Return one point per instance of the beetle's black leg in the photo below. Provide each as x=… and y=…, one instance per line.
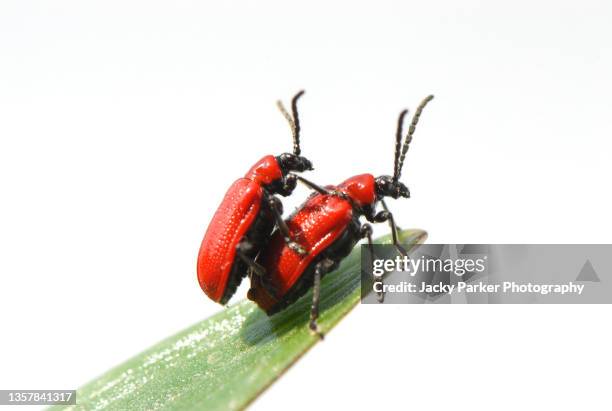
x=314, y=186
x=276, y=208
x=242, y=251
x=394, y=234
x=383, y=216
x=366, y=232
x=384, y=206
x=322, y=268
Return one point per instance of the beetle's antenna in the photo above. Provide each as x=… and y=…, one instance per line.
x=293, y=120
x=398, y=142
x=287, y=116
x=296, y=120
x=413, y=124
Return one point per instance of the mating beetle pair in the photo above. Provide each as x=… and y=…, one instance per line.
x=287, y=257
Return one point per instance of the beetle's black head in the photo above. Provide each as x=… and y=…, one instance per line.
x=387, y=186
x=289, y=162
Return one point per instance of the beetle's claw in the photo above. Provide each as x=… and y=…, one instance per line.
x=314, y=329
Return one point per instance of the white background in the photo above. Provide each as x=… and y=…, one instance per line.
x=122, y=123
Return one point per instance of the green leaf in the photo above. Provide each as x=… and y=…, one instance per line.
x=227, y=360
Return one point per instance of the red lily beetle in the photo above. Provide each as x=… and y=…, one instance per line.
x=327, y=225
x=246, y=217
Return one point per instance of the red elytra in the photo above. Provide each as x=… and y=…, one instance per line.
x=328, y=226
x=246, y=217
x=231, y=222
x=317, y=225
